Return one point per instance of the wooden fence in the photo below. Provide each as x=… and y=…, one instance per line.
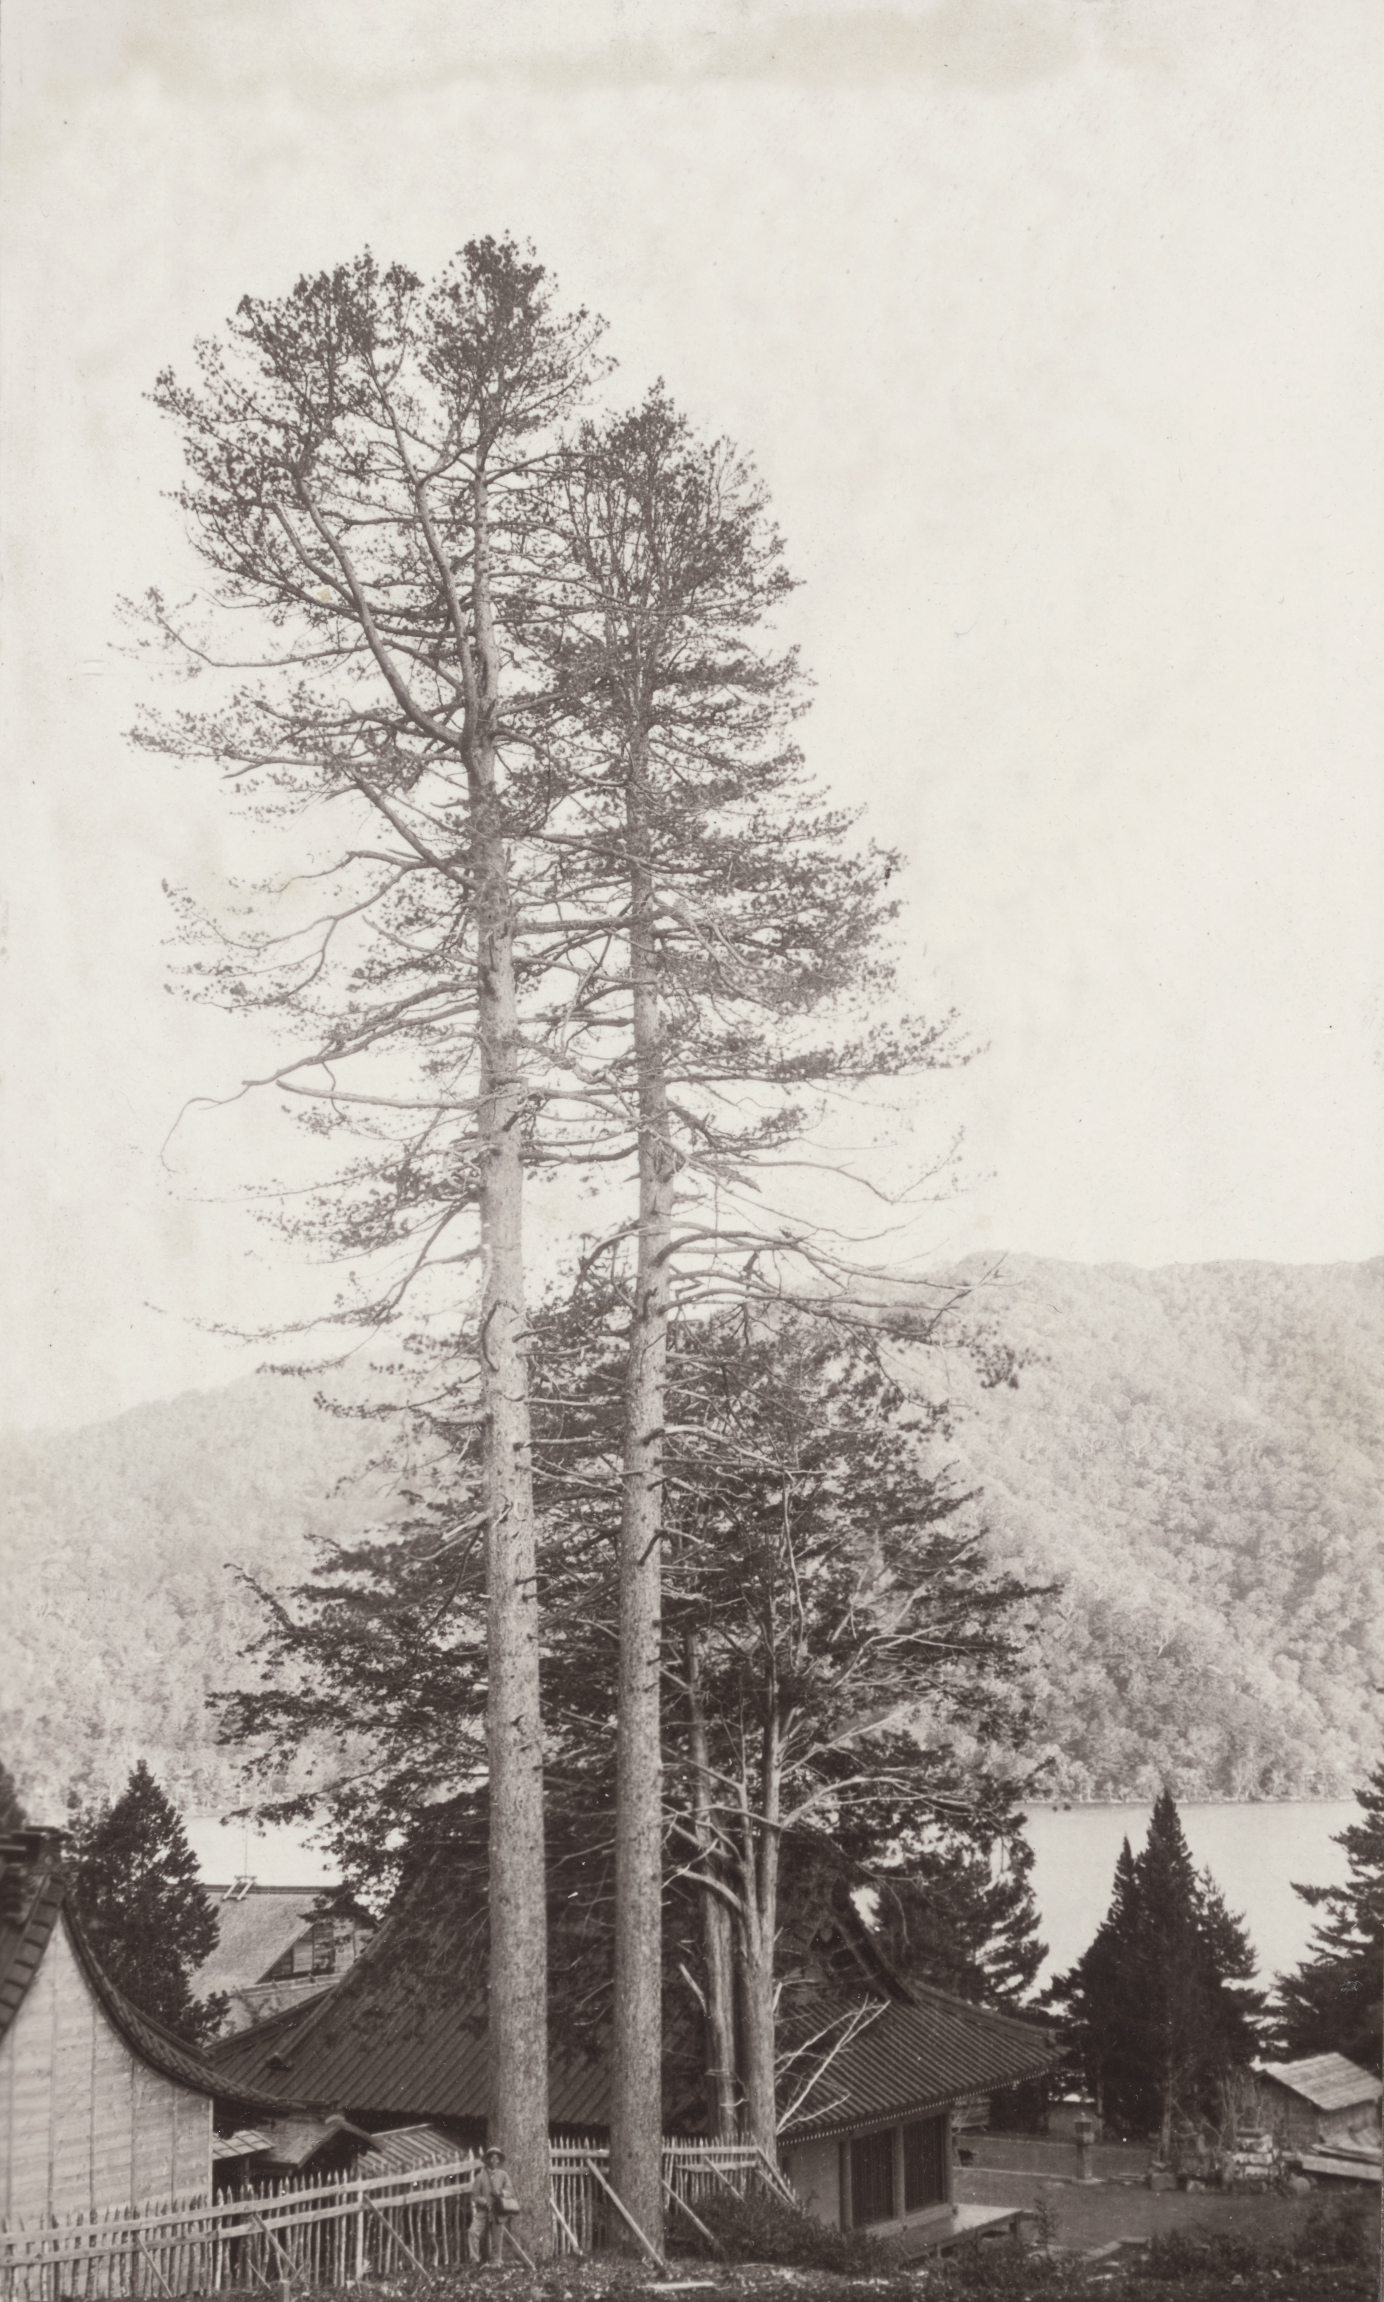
x=340, y=2231
x=306, y=2233
x=586, y=2214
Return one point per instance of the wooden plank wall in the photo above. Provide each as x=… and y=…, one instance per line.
x=84, y=2124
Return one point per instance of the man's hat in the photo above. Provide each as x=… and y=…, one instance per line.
x=492, y=2152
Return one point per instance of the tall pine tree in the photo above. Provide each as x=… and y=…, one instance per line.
x=1332, y=2002
x=1159, y=2013
x=143, y=1908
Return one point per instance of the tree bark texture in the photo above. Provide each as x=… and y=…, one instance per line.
x=718, y=1945
x=636, y=2105
x=518, y=2009
x=756, y=1931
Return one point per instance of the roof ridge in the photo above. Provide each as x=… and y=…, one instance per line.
x=300, y=2022
x=152, y=2040
x=1027, y=2018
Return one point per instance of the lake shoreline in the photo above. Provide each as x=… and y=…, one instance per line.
x=1255, y=1849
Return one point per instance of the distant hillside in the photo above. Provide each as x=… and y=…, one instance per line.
x=122, y=1606
x=1196, y=1453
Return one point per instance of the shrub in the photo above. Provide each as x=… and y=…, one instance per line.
x=1179, y=2254
x=1008, y=2272
x=1290, y=2282
x=764, y=2228
x=1340, y=2230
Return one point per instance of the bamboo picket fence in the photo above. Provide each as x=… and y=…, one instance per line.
x=693, y=2171
x=336, y=2232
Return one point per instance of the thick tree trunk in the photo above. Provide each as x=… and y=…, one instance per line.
x=760, y=2110
x=636, y=2095
x=757, y=1933
x=718, y=1946
x=518, y=2010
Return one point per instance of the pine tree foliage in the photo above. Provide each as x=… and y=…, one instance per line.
x=1331, y=2004
x=740, y=898
x=367, y=459
x=143, y=1908
x=844, y=1652
x=599, y=919
x=1159, y=2013
x=826, y=1604
x=750, y=951
x=962, y=1916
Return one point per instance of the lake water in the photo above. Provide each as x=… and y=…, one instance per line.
x=1254, y=1852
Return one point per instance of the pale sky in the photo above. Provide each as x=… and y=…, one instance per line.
x=1056, y=333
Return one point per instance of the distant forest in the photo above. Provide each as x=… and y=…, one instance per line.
x=1195, y=1455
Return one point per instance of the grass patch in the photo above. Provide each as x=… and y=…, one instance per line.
x=1333, y=2258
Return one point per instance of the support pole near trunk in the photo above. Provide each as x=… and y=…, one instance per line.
x=625, y=2215
x=695, y=2219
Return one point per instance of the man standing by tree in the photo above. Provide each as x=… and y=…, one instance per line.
x=493, y=2203
x=142, y=1907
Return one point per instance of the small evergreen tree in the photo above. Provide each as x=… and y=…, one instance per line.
x=142, y=1907
x=1331, y=2003
x=1159, y=2015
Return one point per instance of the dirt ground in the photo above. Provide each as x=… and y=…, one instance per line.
x=1085, y=2215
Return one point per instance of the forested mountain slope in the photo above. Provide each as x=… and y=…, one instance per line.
x=1196, y=1454
x=122, y=1607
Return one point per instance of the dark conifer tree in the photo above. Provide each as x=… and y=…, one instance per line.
x=1331, y=2003
x=1159, y=2013
x=960, y=1913
x=11, y=1811
x=143, y=1908
x=823, y=1588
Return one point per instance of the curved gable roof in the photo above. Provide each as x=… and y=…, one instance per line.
x=34, y=1905
x=384, y=2042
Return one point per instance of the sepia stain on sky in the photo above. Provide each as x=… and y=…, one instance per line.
x=1055, y=331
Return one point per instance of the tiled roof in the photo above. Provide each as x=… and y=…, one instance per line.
x=918, y=2055
x=1327, y=2081
x=244, y=2008
x=35, y=1904
x=246, y=2142
x=378, y=2045
x=401, y=2149
x=256, y=1929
